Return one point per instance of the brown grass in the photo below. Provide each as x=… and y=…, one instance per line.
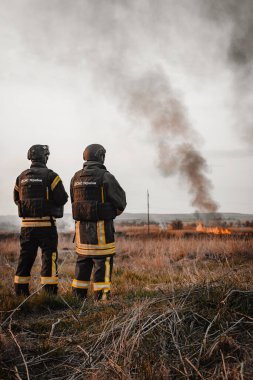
x=181, y=308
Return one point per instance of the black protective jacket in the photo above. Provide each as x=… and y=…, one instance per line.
x=40, y=196
x=97, y=198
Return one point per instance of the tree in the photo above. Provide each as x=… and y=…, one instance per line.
x=177, y=224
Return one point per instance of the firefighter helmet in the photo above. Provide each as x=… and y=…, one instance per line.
x=94, y=152
x=38, y=153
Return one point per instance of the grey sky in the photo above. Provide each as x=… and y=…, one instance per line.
x=71, y=72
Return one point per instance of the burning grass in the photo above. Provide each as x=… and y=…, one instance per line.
x=181, y=308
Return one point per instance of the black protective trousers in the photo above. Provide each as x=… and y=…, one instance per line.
x=102, y=273
x=32, y=238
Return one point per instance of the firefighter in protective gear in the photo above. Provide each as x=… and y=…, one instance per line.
x=40, y=197
x=97, y=198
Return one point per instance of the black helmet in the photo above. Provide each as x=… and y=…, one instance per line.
x=38, y=153
x=94, y=152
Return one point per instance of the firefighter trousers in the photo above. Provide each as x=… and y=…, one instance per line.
x=102, y=273
x=31, y=238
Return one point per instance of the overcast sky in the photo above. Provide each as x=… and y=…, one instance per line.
x=146, y=79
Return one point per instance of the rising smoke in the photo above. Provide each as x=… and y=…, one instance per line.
x=238, y=17
x=152, y=98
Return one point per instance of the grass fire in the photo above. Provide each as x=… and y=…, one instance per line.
x=212, y=230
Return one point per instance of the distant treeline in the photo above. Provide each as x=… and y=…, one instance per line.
x=178, y=224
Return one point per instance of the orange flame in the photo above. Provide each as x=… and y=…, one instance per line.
x=212, y=230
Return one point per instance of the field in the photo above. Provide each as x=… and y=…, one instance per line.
x=181, y=308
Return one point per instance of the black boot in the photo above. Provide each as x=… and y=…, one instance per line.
x=50, y=289
x=22, y=290
x=101, y=295
x=80, y=293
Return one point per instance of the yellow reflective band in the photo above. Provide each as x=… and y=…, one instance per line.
x=101, y=286
x=55, y=182
x=78, y=241
x=32, y=219
x=95, y=246
x=44, y=221
x=49, y=280
x=98, y=232
x=105, y=292
x=36, y=224
x=101, y=232
x=54, y=270
x=16, y=188
x=107, y=269
x=22, y=279
x=102, y=195
x=90, y=252
x=80, y=284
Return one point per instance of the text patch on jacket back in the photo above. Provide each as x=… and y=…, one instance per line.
x=84, y=190
x=32, y=188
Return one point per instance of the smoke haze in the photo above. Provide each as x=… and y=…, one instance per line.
x=237, y=16
x=97, y=36
x=144, y=58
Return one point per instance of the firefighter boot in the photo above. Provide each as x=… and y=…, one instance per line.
x=101, y=295
x=80, y=293
x=50, y=289
x=22, y=289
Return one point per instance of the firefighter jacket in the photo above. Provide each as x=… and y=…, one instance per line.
x=40, y=196
x=97, y=198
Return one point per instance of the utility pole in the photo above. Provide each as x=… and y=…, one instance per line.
x=148, y=209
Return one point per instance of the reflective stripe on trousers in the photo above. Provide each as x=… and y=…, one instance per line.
x=102, y=273
x=22, y=279
x=80, y=284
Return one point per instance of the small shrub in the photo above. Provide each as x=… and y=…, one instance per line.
x=177, y=224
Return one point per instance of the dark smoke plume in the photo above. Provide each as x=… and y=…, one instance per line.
x=186, y=160
x=238, y=16
x=152, y=98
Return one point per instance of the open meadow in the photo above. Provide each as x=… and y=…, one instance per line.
x=181, y=308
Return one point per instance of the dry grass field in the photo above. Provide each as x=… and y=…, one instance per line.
x=181, y=308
